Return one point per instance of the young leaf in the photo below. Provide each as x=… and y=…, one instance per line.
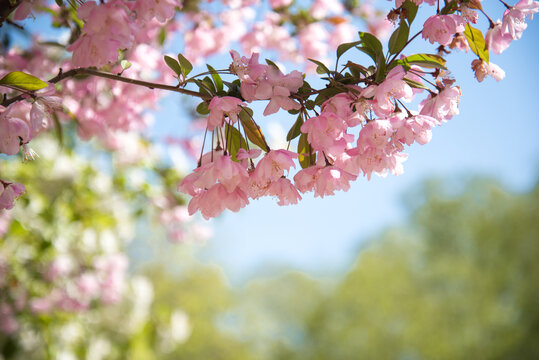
x=203, y=109
x=295, y=130
x=415, y=84
x=321, y=68
x=235, y=141
x=271, y=63
x=476, y=42
x=370, y=41
x=305, y=155
x=252, y=130
x=185, y=64
x=345, y=47
x=411, y=10
x=373, y=47
x=209, y=84
x=174, y=65
x=399, y=38
x=125, y=64
x=423, y=60
x=216, y=78
x=22, y=81
x=203, y=87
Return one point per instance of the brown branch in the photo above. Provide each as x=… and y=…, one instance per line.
x=92, y=72
x=6, y=8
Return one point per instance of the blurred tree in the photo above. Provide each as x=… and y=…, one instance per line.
x=459, y=283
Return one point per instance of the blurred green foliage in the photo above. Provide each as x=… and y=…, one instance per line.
x=458, y=281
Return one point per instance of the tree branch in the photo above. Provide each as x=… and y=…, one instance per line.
x=6, y=8
x=92, y=72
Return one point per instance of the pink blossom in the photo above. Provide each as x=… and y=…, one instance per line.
x=88, y=286
x=482, y=69
x=399, y=3
x=497, y=40
x=43, y=107
x=274, y=164
x=162, y=10
x=327, y=132
x=107, y=29
x=442, y=106
x=8, y=321
x=61, y=266
x=323, y=180
x=223, y=106
x=275, y=4
x=441, y=28
x=322, y=8
x=342, y=33
x=341, y=105
x=393, y=87
x=215, y=186
x=468, y=14
x=285, y=191
x=514, y=19
x=375, y=134
x=112, y=269
x=9, y=192
x=13, y=132
x=213, y=201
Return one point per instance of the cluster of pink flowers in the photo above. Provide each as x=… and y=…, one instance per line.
x=264, y=82
x=221, y=183
x=116, y=25
x=500, y=35
x=442, y=28
x=73, y=288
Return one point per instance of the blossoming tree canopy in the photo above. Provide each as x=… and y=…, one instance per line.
x=107, y=73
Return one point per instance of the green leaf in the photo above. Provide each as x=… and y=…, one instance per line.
x=295, y=130
x=162, y=36
x=370, y=41
x=174, y=65
x=424, y=60
x=398, y=39
x=369, y=52
x=373, y=47
x=252, y=130
x=216, y=78
x=411, y=10
x=476, y=42
x=327, y=93
x=341, y=49
x=185, y=64
x=22, y=81
x=415, y=84
x=235, y=141
x=209, y=84
x=203, y=87
x=271, y=63
x=125, y=64
x=305, y=154
x=356, y=69
x=203, y=109
x=321, y=68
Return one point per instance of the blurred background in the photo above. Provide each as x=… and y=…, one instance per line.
x=438, y=263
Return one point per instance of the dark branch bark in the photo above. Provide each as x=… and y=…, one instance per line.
x=92, y=72
x=6, y=8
